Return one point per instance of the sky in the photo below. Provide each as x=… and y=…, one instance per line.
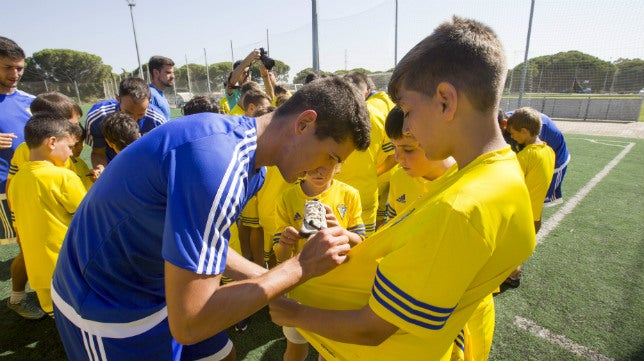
x=352, y=34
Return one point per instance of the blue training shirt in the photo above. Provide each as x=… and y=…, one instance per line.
x=99, y=111
x=555, y=139
x=170, y=196
x=14, y=114
x=159, y=100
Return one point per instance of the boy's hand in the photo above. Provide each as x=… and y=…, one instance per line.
x=324, y=251
x=331, y=221
x=282, y=310
x=289, y=237
x=96, y=172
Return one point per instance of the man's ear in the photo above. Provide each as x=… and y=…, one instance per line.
x=448, y=97
x=304, y=120
x=51, y=142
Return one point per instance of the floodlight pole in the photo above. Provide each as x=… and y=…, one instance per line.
x=396, y=37
x=132, y=4
x=316, y=46
x=525, y=57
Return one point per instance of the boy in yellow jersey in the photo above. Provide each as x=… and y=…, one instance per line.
x=414, y=178
x=44, y=196
x=358, y=175
x=342, y=203
x=415, y=174
x=410, y=288
x=537, y=160
x=78, y=166
x=51, y=103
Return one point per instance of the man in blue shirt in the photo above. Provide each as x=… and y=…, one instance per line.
x=14, y=113
x=134, y=100
x=162, y=72
x=138, y=276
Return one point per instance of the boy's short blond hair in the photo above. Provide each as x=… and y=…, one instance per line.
x=462, y=52
x=528, y=118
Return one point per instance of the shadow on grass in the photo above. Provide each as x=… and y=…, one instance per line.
x=262, y=341
x=28, y=340
x=5, y=270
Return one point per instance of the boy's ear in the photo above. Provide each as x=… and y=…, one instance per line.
x=448, y=97
x=304, y=120
x=50, y=142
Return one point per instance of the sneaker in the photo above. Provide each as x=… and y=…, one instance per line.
x=314, y=218
x=553, y=203
x=27, y=309
x=242, y=325
x=512, y=282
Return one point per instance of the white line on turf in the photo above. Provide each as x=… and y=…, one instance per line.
x=560, y=340
x=568, y=207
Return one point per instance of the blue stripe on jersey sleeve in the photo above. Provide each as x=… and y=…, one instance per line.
x=407, y=307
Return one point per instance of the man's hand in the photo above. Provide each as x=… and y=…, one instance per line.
x=323, y=251
x=6, y=140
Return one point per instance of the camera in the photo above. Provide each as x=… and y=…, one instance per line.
x=268, y=62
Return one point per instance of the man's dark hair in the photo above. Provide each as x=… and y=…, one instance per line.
x=157, y=62
x=462, y=52
x=310, y=77
x=120, y=129
x=394, y=123
x=45, y=125
x=359, y=79
x=9, y=49
x=253, y=96
x=56, y=103
x=341, y=111
x=136, y=88
x=200, y=104
x=261, y=111
x=280, y=89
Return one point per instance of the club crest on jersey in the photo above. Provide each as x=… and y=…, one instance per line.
x=401, y=199
x=342, y=209
x=297, y=216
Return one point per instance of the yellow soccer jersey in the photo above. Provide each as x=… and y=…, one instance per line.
x=82, y=170
x=224, y=108
x=237, y=110
x=260, y=210
x=44, y=198
x=21, y=156
x=359, y=170
x=538, y=164
x=404, y=190
x=341, y=197
x=428, y=269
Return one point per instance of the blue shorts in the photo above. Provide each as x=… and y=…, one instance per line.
x=554, y=192
x=154, y=344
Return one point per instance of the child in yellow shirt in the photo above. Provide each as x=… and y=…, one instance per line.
x=44, y=196
x=342, y=203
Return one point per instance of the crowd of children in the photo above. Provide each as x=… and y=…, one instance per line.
x=419, y=204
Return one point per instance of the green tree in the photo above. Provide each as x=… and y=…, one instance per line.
x=562, y=72
x=299, y=77
x=83, y=72
x=629, y=77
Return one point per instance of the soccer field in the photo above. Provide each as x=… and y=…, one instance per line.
x=582, y=291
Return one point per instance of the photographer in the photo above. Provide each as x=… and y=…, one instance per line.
x=241, y=74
